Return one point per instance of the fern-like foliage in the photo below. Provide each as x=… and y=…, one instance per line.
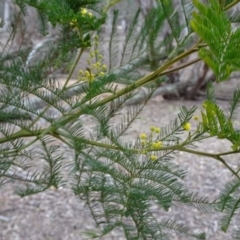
x=221, y=124
x=188, y=7
x=229, y=204
x=172, y=11
x=234, y=105
x=141, y=45
x=119, y=187
x=173, y=18
x=213, y=26
x=118, y=180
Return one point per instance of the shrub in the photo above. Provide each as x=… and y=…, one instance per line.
x=118, y=180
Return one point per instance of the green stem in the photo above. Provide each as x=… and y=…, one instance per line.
x=24, y=133
x=133, y=86
x=231, y=5
x=63, y=89
x=111, y=4
x=158, y=72
x=73, y=68
x=180, y=66
x=214, y=156
x=20, y=134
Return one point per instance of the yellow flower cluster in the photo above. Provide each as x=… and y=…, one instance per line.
x=151, y=142
x=157, y=144
x=95, y=66
x=84, y=13
x=143, y=136
x=155, y=129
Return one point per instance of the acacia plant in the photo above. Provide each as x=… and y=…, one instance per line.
x=118, y=180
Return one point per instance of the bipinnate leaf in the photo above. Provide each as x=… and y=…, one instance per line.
x=214, y=28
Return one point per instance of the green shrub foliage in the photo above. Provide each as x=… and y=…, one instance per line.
x=118, y=181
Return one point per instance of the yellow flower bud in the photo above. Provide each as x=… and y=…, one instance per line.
x=152, y=128
x=143, y=136
x=196, y=118
x=157, y=130
x=72, y=24
x=87, y=73
x=157, y=144
x=153, y=157
x=84, y=11
x=104, y=67
x=187, y=126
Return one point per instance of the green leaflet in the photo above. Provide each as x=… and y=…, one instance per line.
x=172, y=14
x=172, y=17
x=217, y=123
x=213, y=26
x=229, y=204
